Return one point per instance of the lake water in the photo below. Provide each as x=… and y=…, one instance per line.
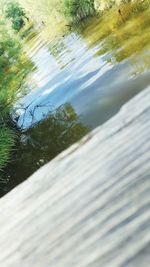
x=81, y=80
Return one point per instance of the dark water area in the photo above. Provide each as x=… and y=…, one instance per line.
x=81, y=80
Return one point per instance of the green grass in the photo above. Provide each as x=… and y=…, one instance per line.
x=7, y=141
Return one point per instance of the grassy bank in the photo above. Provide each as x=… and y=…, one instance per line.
x=14, y=68
x=56, y=14
x=101, y=5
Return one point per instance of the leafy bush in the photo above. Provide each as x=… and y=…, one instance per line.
x=16, y=14
x=13, y=10
x=77, y=10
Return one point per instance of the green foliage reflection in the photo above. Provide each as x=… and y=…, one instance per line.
x=120, y=36
x=46, y=140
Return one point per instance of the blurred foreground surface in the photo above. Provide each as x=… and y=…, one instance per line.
x=90, y=205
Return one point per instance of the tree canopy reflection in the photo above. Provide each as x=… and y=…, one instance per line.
x=46, y=140
x=120, y=37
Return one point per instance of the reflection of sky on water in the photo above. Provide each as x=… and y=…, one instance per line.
x=69, y=71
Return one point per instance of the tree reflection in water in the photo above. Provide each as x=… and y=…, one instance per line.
x=44, y=141
x=121, y=38
x=60, y=130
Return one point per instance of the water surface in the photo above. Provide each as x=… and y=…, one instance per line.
x=81, y=80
